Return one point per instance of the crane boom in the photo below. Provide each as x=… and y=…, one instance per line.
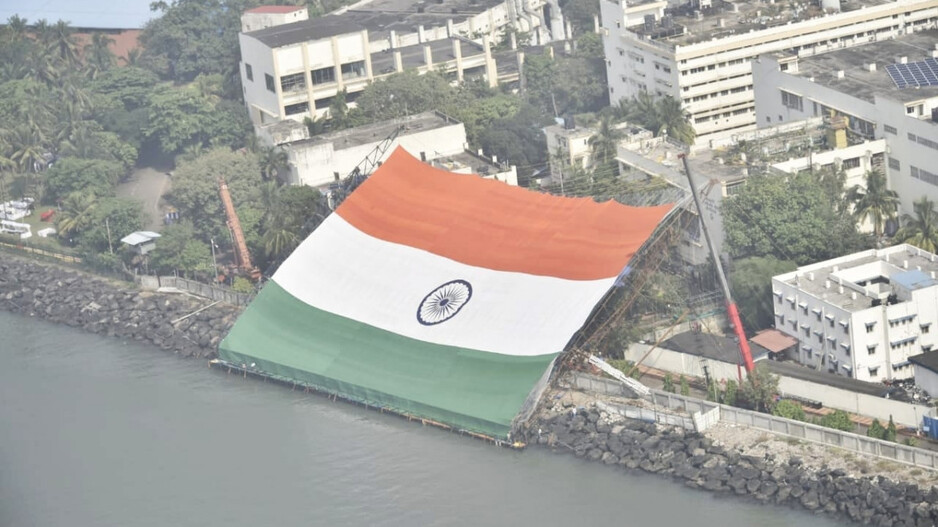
x=731, y=310
x=234, y=224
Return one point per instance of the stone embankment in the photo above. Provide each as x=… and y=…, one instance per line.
x=112, y=308
x=699, y=462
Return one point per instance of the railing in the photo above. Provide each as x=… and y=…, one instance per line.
x=42, y=252
x=221, y=294
x=771, y=423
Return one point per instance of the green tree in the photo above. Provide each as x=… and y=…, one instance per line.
x=920, y=230
x=875, y=203
x=98, y=55
x=685, y=386
x=90, y=176
x=838, y=420
x=110, y=220
x=274, y=163
x=176, y=118
x=664, y=115
x=130, y=86
x=876, y=430
x=789, y=410
x=713, y=391
x=668, y=385
x=75, y=213
x=605, y=142
x=788, y=218
x=242, y=285
x=751, y=280
x=760, y=389
x=730, y=393
x=405, y=93
x=63, y=42
x=180, y=250
x=890, y=433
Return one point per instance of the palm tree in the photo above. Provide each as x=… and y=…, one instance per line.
x=640, y=109
x=604, y=143
x=64, y=44
x=76, y=213
x=132, y=58
x=26, y=144
x=875, y=203
x=672, y=117
x=274, y=162
x=15, y=29
x=279, y=241
x=98, y=54
x=922, y=229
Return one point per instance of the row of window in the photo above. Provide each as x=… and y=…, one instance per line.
x=790, y=100
x=923, y=175
x=924, y=141
x=296, y=82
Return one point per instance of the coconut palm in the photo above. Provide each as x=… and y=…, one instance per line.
x=875, y=203
x=26, y=148
x=673, y=118
x=274, y=163
x=76, y=213
x=921, y=230
x=132, y=58
x=603, y=144
x=15, y=28
x=279, y=241
x=98, y=55
x=64, y=44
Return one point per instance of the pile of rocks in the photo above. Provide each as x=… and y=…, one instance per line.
x=698, y=462
x=113, y=309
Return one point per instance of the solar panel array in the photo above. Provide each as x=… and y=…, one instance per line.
x=914, y=74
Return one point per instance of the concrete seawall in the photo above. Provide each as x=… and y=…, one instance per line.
x=113, y=308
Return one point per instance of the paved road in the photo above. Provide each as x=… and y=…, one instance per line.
x=147, y=185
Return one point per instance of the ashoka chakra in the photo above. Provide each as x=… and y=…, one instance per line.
x=444, y=302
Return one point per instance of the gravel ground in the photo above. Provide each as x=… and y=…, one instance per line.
x=751, y=441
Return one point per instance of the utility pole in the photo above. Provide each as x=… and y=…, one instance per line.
x=214, y=262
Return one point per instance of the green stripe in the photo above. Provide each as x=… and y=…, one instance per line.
x=464, y=388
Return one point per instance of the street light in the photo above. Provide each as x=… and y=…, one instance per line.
x=214, y=263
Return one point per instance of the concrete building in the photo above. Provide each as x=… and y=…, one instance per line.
x=719, y=172
x=568, y=145
x=293, y=66
x=701, y=51
x=926, y=371
x=432, y=137
x=854, y=85
x=861, y=315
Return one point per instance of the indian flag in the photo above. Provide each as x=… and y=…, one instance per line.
x=438, y=295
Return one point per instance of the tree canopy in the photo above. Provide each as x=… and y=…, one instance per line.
x=751, y=281
x=920, y=229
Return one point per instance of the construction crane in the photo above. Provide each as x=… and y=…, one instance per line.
x=339, y=190
x=242, y=256
x=731, y=309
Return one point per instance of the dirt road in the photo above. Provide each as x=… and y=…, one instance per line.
x=147, y=185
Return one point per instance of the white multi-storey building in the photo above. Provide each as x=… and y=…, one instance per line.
x=854, y=84
x=861, y=315
x=701, y=51
x=293, y=67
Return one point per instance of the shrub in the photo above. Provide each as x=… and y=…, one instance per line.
x=789, y=410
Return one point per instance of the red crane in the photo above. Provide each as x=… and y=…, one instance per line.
x=242, y=255
x=731, y=309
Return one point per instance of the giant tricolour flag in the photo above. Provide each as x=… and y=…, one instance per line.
x=438, y=295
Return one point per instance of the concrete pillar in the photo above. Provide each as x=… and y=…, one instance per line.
x=513, y=38
x=337, y=65
x=366, y=46
x=427, y=56
x=449, y=28
x=398, y=61
x=596, y=27
x=569, y=32
x=393, y=39
x=308, y=75
x=421, y=36
x=550, y=52
x=457, y=52
x=491, y=72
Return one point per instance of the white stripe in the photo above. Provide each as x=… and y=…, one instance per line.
x=346, y=272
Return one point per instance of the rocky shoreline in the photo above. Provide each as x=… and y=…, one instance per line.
x=702, y=463
x=113, y=308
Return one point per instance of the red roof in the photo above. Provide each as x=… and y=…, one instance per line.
x=774, y=340
x=274, y=9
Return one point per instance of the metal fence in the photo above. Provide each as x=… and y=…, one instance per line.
x=68, y=258
x=649, y=415
x=771, y=423
x=221, y=294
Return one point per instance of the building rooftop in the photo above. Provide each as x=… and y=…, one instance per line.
x=926, y=360
x=791, y=369
x=709, y=345
x=866, y=279
x=466, y=161
x=858, y=81
x=379, y=17
x=412, y=56
x=689, y=25
x=304, y=30
x=373, y=133
x=275, y=9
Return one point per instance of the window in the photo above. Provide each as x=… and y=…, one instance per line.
x=790, y=100
x=923, y=175
x=323, y=75
x=269, y=79
x=925, y=328
x=324, y=103
x=293, y=83
x=894, y=163
x=890, y=129
x=249, y=71
x=353, y=70
x=870, y=326
x=874, y=371
x=293, y=109
x=853, y=162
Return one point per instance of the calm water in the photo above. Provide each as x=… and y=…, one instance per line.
x=99, y=432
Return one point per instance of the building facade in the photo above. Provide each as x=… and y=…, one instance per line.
x=861, y=315
x=854, y=85
x=701, y=51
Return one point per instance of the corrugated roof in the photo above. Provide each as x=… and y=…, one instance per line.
x=305, y=30
x=136, y=238
x=774, y=340
x=913, y=280
x=274, y=9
